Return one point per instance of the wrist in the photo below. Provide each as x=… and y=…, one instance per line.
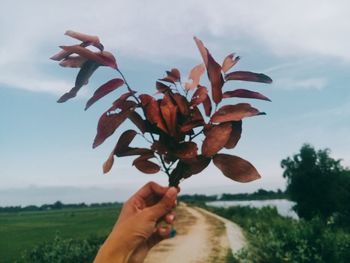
x=114, y=249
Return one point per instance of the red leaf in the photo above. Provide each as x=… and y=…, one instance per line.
x=236, y=168
x=199, y=96
x=234, y=113
x=189, y=167
x=216, y=138
x=235, y=134
x=181, y=103
x=145, y=99
x=124, y=141
x=197, y=164
x=73, y=62
x=169, y=111
x=213, y=70
x=86, y=71
x=159, y=147
x=243, y=93
x=162, y=88
x=153, y=114
x=107, y=165
x=229, y=62
x=108, y=123
x=186, y=150
x=196, y=120
x=207, y=106
x=138, y=121
x=104, y=90
x=172, y=76
x=248, y=76
x=195, y=75
x=122, y=104
x=145, y=166
x=175, y=74
x=94, y=40
x=63, y=54
x=103, y=58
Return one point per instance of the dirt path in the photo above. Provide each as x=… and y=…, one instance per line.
x=201, y=237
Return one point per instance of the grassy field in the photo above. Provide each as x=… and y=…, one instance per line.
x=23, y=230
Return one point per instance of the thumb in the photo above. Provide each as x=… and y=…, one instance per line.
x=165, y=205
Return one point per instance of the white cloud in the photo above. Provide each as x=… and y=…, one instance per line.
x=158, y=30
x=306, y=83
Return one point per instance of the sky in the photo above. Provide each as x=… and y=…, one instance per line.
x=45, y=147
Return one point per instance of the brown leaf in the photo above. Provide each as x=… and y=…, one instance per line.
x=236, y=168
x=197, y=164
x=172, y=76
x=244, y=93
x=108, y=123
x=216, y=138
x=63, y=54
x=73, y=62
x=124, y=141
x=175, y=74
x=168, y=112
x=195, y=75
x=248, y=76
x=86, y=71
x=94, y=40
x=235, y=134
x=145, y=99
x=153, y=114
x=199, y=96
x=195, y=120
x=145, y=166
x=162, y=88
x=234, y=113
x=107, y=165
x=122, y=103
x=213, y=70
x=229, y=62
x=189, y=167
x=104, y=90
x=182, y=103
x=186, y=150
x=138, y=121
x=207, y=106
x=103, y=58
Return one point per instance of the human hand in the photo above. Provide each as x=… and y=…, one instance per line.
x=137, y=229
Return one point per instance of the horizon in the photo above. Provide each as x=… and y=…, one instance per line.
x=46, y=145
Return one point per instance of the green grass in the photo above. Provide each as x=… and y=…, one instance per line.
x=24, y=230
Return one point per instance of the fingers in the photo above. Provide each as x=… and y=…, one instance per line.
x=162, y=233
x=164, y=206
x=169, y=218
x=152, y=188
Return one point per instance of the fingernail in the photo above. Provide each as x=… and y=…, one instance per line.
x=171, y=217
x=172, y=233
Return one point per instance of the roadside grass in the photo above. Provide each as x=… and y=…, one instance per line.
x=23, y=231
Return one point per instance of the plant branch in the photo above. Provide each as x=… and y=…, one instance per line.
x=139, y=102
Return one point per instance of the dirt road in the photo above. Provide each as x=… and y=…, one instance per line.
x=201, y=237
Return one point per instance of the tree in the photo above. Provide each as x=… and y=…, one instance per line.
x=317, y=183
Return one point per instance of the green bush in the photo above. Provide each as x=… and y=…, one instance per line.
x=64, y=251
x=274, y=239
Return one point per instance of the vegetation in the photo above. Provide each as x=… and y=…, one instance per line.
x=274, y=239
x=260, y=194
x=318, y=184
x=26, y=230
x=64, y=251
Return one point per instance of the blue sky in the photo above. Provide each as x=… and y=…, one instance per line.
x=302, y=45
